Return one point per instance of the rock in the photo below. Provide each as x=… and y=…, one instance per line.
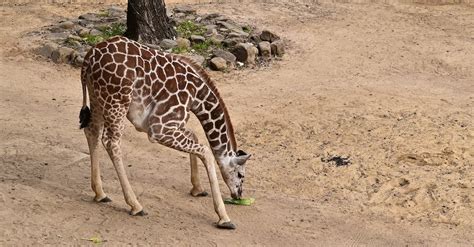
x=62, y=55
x=168, y=44
x=74, y=43
x=218, y=63
x=210, y=16
x=268, y=36
x=190, y=17
x=238, y=34
x=197, y=39
x=153, y=46
x=179, y=15
x=223, y=30
x=89, y=17
x=115, y=11
x=230, y=26
x=95, y=32
x=216, y=39
x=221, y=18
x=78, y=61
x=74, y=37
x=197, y=59
x=84, y=32
x=183, y=43
x=231, y=42
x=255, y=38
x=265, y=49
x=67, y=25
x=185, y=9
x=278, y=48
x=211, y=29
x=57, y=36
x=227, y=56
x=245, y=53
x=47, y=49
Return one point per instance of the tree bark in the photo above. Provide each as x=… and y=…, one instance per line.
x=147, y=21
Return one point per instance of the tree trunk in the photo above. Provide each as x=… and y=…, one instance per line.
x=147, y=21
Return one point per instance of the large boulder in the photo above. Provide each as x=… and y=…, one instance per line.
x=168, y=44
x=268, y=36
x=245, y=53
x=265, y=49
x=278, y=48
x=183, y=43
x=197, y=38
x=63, y=55
x=47, y=49
x=227, y=56
x=218, y=63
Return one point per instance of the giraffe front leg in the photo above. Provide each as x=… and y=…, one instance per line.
x=111, y=142
x=209, y=161
x=182, y=140
x=197, y=190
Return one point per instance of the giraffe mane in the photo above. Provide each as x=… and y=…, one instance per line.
x=208, y=81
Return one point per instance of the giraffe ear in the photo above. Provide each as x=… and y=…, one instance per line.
x=241, y=157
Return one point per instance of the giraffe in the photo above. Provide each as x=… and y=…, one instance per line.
x=156, y=92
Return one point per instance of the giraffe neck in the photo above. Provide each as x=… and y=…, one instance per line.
x=212, y=113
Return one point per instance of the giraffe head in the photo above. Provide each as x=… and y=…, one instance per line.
x=233, y=171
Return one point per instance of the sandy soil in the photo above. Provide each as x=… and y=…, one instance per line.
x=391, y=86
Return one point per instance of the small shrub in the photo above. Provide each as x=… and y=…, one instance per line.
x=187, y=28
x=107, y=32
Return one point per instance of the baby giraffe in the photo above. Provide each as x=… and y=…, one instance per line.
x=156, y=91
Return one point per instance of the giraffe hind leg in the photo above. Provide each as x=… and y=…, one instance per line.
x=111, y=139
x=92, y=131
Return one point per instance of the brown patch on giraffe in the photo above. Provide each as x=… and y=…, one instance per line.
x=112, y=89
x=208, y=106
x=161, y=74
x=217, y=112
x=202, y=94
x=130, y=73
x=208, y=126
x=191, y=89
x=171, y=85
x=148, y=80
x=153, y=76
x=125, y=90
x=131, y=62
x=112, y=48
x=223, y=138
x=193, y=79
x=132, y=49
x=162, y=95
x=139, y=83
x=146, y=54
x=121, y=47
x=119, y=58
x=102, y=45
x=146, y=90
x=169, y=71
x=115, y=39
x=140, y=72
x=120, y=72
x=179, y=68
x=183, y=97
x=140, y=62
x=212, y=98
x=147, y=66
x=111, y=67
x=101, y=82
x=153, y=63
x=156, y=87
x=214, y=135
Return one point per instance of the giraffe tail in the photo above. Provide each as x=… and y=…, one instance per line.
x=85, y=114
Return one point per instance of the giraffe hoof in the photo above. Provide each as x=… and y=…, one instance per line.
x=226, y=225
x=200, y=194
x=105, y=200
x=140, y=213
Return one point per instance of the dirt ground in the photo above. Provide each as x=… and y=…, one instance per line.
x=390, y=86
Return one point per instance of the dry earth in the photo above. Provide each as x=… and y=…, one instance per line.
x=391, y=86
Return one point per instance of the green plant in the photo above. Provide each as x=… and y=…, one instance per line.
x=247, y=29
x=107, y=32
x=179, y=50
x=93, y=39
x=113, y=30
x=187, y=28
x=202, y=47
